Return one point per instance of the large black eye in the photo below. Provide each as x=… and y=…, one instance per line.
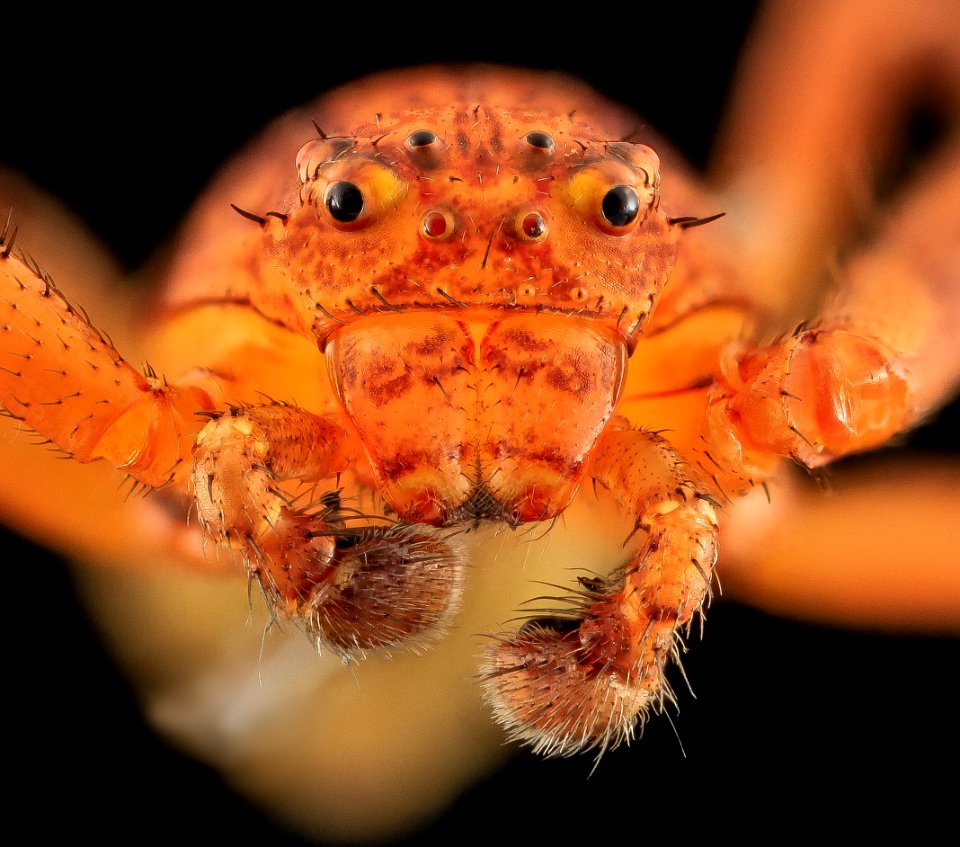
x=620, y=205
x=344, y=202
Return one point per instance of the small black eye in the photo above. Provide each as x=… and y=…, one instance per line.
x=620, y=205
x=421, y=138
x=539, y=139
x=344, y=202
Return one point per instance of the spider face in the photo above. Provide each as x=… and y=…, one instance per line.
x=440, y=266
x=480, y=228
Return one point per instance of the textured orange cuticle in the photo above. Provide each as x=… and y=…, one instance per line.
x=454, y=309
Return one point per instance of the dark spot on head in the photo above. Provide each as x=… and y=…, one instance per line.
x=430, y=345
x=570, y=376
x=540, y=140
x=495, y=137
x=421, y=138
x=525, y=340
x=384, y=391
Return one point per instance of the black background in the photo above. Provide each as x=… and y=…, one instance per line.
x=793, y=727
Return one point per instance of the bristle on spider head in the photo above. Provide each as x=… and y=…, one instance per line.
x=690, y=221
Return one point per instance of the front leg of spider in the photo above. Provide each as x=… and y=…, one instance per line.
x=816, y=395
x=355, y=583
x=879, y=359
x=569, y=683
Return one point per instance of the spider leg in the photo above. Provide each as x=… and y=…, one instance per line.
x=63, y=503
x=64, y=378
x=823, y=132
x=853, y=555
x=820, y=128
x=881, y=358
x=353, y=587
x=583, y=679
x=798, y=555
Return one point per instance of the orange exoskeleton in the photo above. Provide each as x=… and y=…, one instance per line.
x=469, y=298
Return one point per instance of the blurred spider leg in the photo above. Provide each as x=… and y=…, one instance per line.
x=880, y=549
x=884, y=354
x=901, y=568
x=819, y=121
x=583, y=679
x=904, y=288
x=83, y=508
x=353, y=587
x=63, y=378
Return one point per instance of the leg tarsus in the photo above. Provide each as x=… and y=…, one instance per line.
x=354, y=588
x=585, y=680
x=385, y=587
x=817, y=395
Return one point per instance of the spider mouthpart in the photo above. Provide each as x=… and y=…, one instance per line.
x=385, y=587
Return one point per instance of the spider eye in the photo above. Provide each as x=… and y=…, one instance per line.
x=353, y=192
x=421, y=138
x=536, y=150
x=436, y=225
x=344, y=201
x=532, y=226
x=620, y=205
x=425, y=149
x=539, y=139
x=612, y=196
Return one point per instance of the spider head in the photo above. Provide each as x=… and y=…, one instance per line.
x=464, y=204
